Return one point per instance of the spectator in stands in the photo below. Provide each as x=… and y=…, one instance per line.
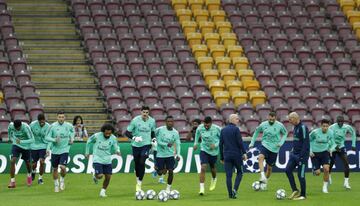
x=194, y=125
x=79, y=128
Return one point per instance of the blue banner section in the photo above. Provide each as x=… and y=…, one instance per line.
x=189, y=162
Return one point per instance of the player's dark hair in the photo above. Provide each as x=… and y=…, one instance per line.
x=169, y=117
x=207, y=120
x=17, y=123
x=340, y=118
x=272, y=114
x=197, y=121
x=60, y=112
x=76, y=118
x=41, y=117
x=107, y=126
x=145, y=108
x=325, y=121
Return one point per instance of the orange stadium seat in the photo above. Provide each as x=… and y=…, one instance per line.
x=179, y=4
x=201, y=15
x=239, y=97
x=233, y=85
x=221, y=97
x=217, y=50
x=222, y=63
x=199, y=50
x=206, y=27
x=205, y=63
x=210, y=74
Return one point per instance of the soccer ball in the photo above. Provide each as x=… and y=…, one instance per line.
x=150, y=194
x=163, y=196
x=256, y=186
x=139, y=195
x=174, y=195
x=263, y=186
x=280, y=194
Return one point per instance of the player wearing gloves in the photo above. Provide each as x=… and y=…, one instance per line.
x=141, y=131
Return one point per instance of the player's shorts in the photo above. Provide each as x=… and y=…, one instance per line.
x=165, y=163
x=270, y=156
x=38, y=154
x=141, y=151
x=105, y=169
x=206, y=158
x=59, y=159
x=341, y=152
x=155, y=159
x=16, y=151
x=320, y=158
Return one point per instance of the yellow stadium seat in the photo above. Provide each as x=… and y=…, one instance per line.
x=206, y=27
x=1, y=97
x=194, y=38
x=221, y=97
x=184, y=15
x=212, y=4
x=358, y=4
x=251, y=85
x=239, y=97
x=356, y=27
x=347, y=5
x=222, y=63
x=234, y=51
x=199, y=50
x=211, y=39
x=223, y=27
x=216, y=85
x=189, y=26
x=228, y=74
x=205, y=63
x=246, y=74
x=353, y=16
x=201, y=15
x=240, y=63
x=233, y=85
x=179, y=4
x=217, y=50
x=196, y=4
x=228, y=39
x=217, y=15
x=210, y=74
x=257, y=97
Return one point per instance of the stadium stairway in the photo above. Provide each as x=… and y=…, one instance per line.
x=57, y=61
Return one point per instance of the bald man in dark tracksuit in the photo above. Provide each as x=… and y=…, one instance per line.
x=232, y=153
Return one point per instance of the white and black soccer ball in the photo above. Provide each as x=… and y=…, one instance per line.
x=174, y=195
x=256, y=185
x=163, y=196
x=263, y=186
x=280, y=194
x=139, y=195
x=150, y=194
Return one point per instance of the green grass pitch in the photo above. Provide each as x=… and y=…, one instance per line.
x=80, y=190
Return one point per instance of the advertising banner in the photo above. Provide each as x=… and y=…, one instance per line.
x=189, y=162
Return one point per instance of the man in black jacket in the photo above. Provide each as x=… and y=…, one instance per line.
x=232, y=153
